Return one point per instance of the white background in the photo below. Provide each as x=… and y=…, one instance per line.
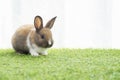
x=79, y=23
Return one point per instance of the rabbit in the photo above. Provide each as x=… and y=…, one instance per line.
x=34, y=39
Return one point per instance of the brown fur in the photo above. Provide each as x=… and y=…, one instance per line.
x=19, y=38
x=38, y=35
x=38, y=23
x=50, y=23
x=43, y=42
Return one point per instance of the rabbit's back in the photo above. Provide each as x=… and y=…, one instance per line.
x=19, y=38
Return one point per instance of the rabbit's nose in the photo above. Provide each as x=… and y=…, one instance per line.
x=50, y=43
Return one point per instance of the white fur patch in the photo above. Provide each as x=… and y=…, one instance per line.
x=34, y=49
x=40, y=50
x=49, y=42
x=31, y=50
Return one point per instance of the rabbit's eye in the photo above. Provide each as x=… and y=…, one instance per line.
x=42, y=36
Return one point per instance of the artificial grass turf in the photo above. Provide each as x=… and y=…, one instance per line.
x=61, y=64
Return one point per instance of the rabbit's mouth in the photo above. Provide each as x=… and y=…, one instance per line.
x=46, y=44
x=49, y=44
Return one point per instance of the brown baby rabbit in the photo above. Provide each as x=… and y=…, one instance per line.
x=34, y=39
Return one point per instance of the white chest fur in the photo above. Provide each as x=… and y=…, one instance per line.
x=40, y=50
x=34, y=49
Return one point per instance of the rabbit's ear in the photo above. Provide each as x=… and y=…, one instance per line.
x=38, y=23
x=50, y=23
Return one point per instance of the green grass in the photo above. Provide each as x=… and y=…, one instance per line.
x=61, y=64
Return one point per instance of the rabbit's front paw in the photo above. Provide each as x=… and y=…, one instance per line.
x=33, y=53
x=45, y=53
